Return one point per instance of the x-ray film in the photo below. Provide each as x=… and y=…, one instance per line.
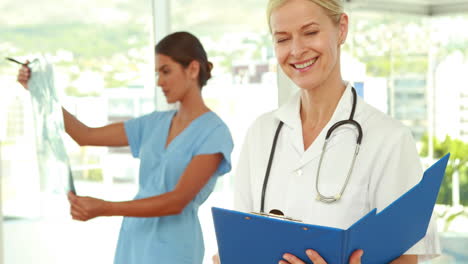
x=54, y=164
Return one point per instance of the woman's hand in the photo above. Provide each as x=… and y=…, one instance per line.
x=215, y=259
x=24, y=74
x=85, y=208
x=317, y=259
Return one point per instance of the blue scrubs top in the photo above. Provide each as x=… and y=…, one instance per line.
x=178, y=238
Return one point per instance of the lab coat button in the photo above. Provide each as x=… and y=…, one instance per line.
x=299, y=172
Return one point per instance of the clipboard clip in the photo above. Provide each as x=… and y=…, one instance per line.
x=278, y=216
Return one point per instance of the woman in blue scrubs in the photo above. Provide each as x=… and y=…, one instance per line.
x=182, y=153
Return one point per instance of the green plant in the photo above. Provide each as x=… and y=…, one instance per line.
x=458, y=163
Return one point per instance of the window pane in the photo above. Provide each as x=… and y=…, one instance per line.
x=418, y=64
x=102, y=52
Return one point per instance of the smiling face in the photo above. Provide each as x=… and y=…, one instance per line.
x=175, y=80
x=307, y=42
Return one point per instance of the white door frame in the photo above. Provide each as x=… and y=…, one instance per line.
x=161, y=27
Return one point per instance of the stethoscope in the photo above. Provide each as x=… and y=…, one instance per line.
x=320, y=197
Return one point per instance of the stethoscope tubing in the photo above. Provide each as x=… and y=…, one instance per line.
x=320, y=197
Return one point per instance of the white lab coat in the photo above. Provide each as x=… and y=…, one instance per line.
x=386, y=167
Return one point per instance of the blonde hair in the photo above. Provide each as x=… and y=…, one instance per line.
x=333, y=8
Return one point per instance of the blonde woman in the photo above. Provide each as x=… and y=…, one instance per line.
x=370, y=159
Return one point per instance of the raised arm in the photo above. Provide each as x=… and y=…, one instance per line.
x=112, y=135
x=109, y=135
x=194, y=178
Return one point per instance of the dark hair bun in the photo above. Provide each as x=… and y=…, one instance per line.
x=184, y=48
x=209, y=69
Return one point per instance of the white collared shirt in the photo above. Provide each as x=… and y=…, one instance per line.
x=386, y=167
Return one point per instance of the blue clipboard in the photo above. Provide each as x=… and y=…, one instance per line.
x=383, y=236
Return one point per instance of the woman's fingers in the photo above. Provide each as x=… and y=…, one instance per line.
x=312, y=254
x=291, y=259
x=77, y=212
x=356, y=257
x=315, y=257
x=215, y=259
x=72, y=197
x=24, y=74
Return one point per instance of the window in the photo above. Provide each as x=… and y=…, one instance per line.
x=396, y=48
x=102, y=52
